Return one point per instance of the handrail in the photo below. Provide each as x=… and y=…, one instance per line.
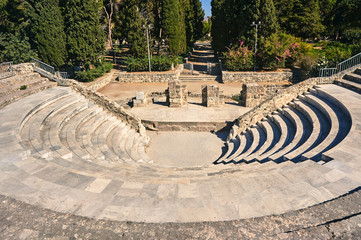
x=6, y=70
x=49, y=69
x=348, y=63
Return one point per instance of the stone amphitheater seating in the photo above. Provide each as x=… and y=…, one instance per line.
x=62, y=152
x=307, y=127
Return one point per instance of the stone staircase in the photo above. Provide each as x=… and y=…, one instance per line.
x=351, y=80
x=10, y=87
x=199, y=77
x=304, y=129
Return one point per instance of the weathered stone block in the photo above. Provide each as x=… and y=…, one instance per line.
x=212, y=96
x=176, y=94
x=141, y=100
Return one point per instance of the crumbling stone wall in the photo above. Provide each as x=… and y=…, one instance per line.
x=149, y=77
x=212, y=96
x=108, y=104
x=176, y=94
x=257, y=77
x=23, y=68
x=253, y=94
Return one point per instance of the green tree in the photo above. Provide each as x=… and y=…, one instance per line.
x=172, y=23
x=15, y=48
x=347, y=20
x=47, y=31
x=85, y=38
x=301, y=18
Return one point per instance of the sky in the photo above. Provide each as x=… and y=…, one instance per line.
x=207, y=7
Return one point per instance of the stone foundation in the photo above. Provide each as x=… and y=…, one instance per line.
x=212, y=96
x=141, y=100
x=144, y=77
x=176, y=94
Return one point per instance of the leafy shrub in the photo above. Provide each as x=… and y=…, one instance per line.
x=306, y=62
x=278, y=51
x=23, y=87
x=238, y=58
x=91, y=74
x=321, y=63
x=335, y=52
x=158, y=63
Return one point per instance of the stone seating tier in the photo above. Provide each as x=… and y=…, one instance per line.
x=305, y=132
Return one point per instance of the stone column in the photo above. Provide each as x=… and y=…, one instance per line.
x=176, y=94
x=212, y=96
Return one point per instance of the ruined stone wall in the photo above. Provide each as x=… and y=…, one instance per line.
x=103, y=81
x=149, y=77
x=255, y=77
x=23, y=68
x=253, y=94
x=108, y=104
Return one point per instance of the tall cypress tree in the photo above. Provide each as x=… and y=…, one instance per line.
x=85, y=38
x=172, y=23
x=47, y=31
x=129, y=26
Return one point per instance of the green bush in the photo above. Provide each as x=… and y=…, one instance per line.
x=91, y=74
x=238, y=58
x=335, y=52
x=278, y=51
x=158, y=63
x=23, y=87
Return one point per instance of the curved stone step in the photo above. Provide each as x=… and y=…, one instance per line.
x=248, y=140
x=50, y=132
x=256, y=135
x=88, y=131
x=281, y=123
x=31, y=127
x=241, y=139
x=69, y=131
x=294, y=116
x=101, y=138
x=269, y=134
x=335, y=134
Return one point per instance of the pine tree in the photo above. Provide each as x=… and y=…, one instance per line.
x=85, y=38
x=301, y=18
x=47, y=31
x=171, y=24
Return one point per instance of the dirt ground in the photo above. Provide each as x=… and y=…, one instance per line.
x=119, y=91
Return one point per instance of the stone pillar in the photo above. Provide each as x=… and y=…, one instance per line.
x=252, y=95
x=212, y=96
x=176, y=94
x=141, y=100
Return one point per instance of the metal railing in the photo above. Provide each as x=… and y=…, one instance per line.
x=6, y=70
x=43, y=66
x=352, y=61
x=49, y=69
